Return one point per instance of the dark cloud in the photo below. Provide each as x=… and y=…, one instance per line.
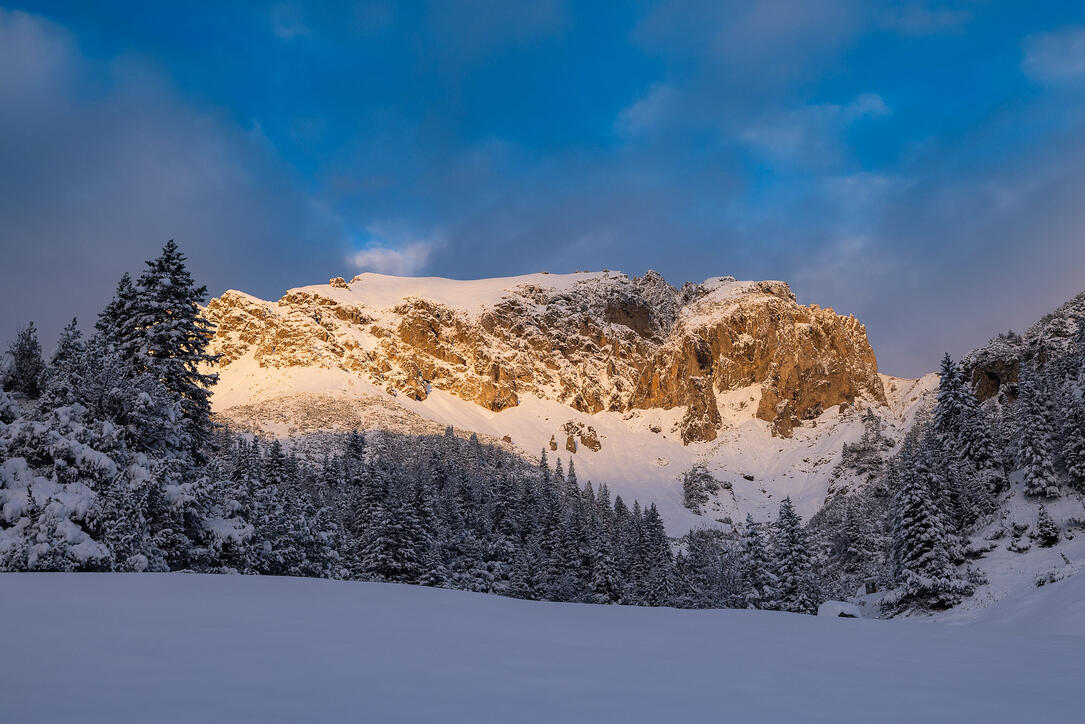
x=103, y=163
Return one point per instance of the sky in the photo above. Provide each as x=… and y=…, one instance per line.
x=920, y=165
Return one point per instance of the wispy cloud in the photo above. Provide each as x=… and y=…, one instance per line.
x=287, y=22
x=1058, y=56
x=812, y=132
x=866, y=105
x=647, y=112
x=920, y=19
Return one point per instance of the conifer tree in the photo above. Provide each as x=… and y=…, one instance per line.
x=1036, y=437
x=1073, y=450
x=116, y=324
x=172, y=340
x=756, y=568
x=1074, y=447
x=659, y=587
x=978, y=447
x=69, y=345
x=948, y=412
x=921, y=541
x=606, y=582
x=1047, y=533
x=26, y=372
x=66, y=368
x=794, y=562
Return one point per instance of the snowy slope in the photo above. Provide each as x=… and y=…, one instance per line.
x=167, y=648
x=1054, y=608
x=1013, y=564
x=640, y=457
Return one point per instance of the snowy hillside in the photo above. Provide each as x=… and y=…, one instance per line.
x=123, y=648
x=638, y=458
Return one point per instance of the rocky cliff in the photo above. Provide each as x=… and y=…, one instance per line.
x=593, y=341
x=993, y=368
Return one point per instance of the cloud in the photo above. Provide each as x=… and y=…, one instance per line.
x=403, y=261
x=784, y=40
x=1055, y=57
x=646, y=113
x=918, y=19
x=392, y=251
x=104, y=161
x=813, y=133
x=867, y=105
x=287, y=22
x=465, y=32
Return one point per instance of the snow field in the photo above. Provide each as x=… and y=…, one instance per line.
x=181, y=648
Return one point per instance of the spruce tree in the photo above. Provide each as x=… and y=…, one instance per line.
x=1047, y=533
x=978, y=447
x=701, y=571
x=172, y=340
x=116, y=324
x=69, y=345
x=26, y=372
x=756, y=568
x=924, y=569
x=67, y=369
x=659, y=583
x=1036, y=437
x=1073, y=450
x=948, y=412
x=1074, y=447
x=794, y=562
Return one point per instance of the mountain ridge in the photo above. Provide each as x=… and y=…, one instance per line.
x=594, y=341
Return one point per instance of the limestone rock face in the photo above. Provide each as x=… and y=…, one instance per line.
x=595, y=341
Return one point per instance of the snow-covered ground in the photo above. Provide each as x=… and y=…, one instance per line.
x=181, y=648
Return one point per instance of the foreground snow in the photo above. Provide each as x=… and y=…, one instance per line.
x=175, y=647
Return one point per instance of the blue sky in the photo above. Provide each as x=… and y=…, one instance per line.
x=920, y=165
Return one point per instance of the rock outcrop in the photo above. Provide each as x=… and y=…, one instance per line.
x=993, y=368
x=594, y=341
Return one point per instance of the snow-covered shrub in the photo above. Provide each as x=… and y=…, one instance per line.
x=697, y=486
x=1054, y=575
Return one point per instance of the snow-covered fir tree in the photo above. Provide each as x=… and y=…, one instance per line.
x=25, y=367
x=1047, y=532
x=793, y=562
x=924, y=570
x=172, y=340
x=757, y=569
x=1073, y=432
x=1036, y=433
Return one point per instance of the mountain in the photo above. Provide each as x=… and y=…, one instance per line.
x=634, y=379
